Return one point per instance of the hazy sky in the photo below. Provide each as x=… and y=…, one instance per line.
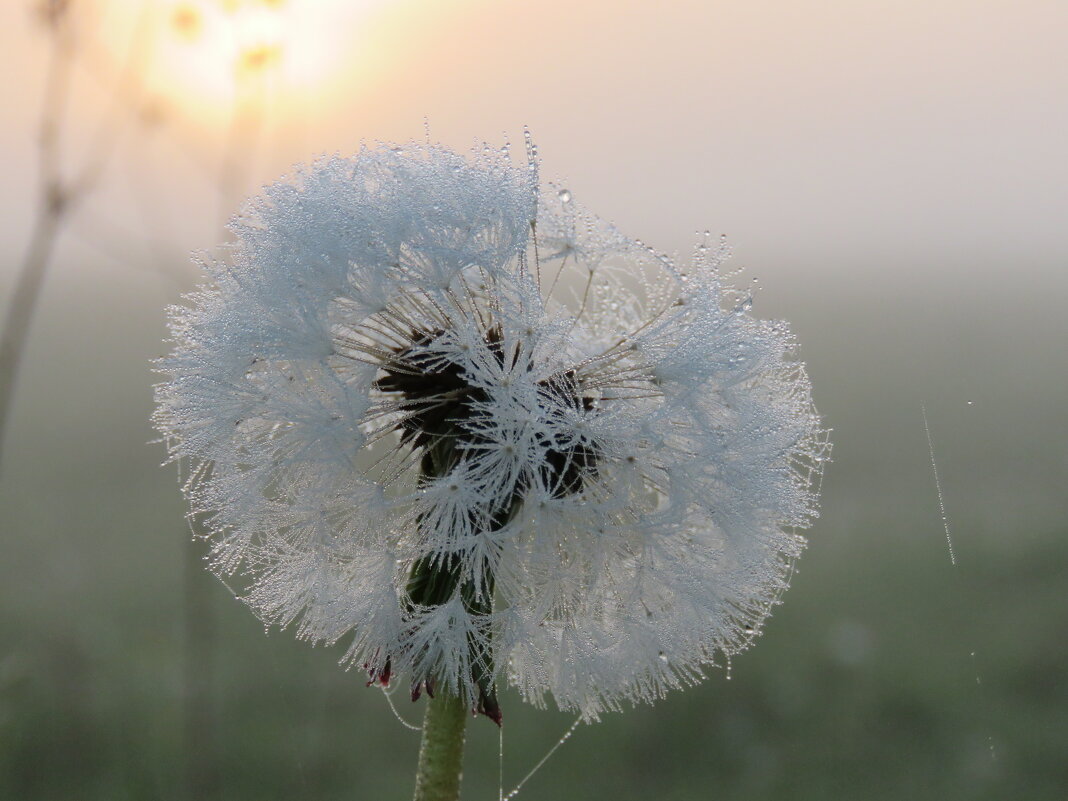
x=853, y=137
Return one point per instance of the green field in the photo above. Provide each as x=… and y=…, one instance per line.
x=887, y=673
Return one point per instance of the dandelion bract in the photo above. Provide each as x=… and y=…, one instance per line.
x=444, y=414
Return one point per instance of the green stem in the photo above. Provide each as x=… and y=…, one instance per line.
x=442, y=750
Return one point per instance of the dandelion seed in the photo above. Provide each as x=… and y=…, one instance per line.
x=484, y=448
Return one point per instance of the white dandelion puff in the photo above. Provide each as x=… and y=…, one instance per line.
x=481, y=434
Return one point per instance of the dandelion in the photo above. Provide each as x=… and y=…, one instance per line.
x=436, y=409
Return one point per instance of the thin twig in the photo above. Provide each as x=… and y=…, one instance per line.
x=203, y=771
x=57, y=197
x=53, y=204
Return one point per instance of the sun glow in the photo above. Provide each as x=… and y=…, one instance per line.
x=205, y=55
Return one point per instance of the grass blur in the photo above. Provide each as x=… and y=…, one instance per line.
x=864, y=685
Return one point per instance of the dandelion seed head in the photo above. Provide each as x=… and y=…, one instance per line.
x=485, y=450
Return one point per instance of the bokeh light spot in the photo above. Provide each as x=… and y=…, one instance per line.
x=258, y=58
x=186, y=21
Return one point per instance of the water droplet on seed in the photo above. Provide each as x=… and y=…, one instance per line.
x=564, y=195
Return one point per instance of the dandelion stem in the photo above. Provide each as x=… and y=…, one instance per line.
x=441, y=752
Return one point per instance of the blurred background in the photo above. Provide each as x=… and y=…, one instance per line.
x=893, y=180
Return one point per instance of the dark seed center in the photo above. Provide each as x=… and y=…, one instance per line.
x=439, y=404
